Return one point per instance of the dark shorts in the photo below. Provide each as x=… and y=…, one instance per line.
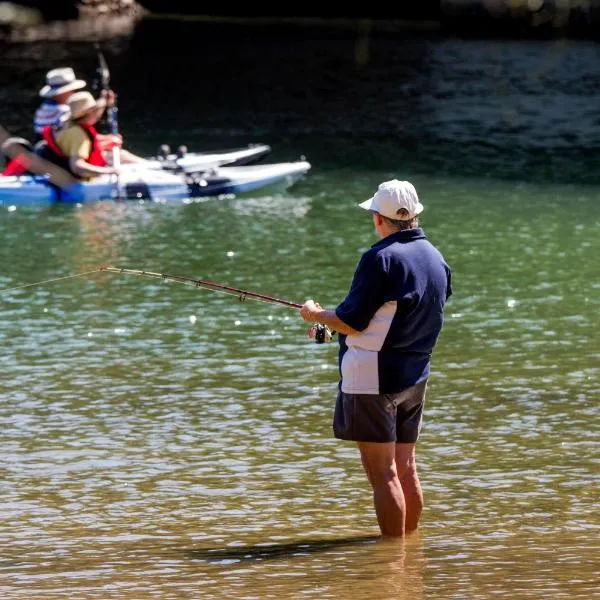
x=380, y=417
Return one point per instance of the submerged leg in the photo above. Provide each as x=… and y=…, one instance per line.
x=379, y=462
x=406, y=466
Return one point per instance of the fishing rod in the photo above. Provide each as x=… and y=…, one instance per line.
x=241, y=294
x=320, y=332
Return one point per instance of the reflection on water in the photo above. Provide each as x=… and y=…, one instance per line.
x=163, y=441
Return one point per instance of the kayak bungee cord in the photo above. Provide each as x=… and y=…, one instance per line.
x=320, y=332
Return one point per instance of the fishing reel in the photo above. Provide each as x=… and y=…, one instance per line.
x=321, y=333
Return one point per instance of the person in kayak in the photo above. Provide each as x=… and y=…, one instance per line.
x=78, y=147
x=23, y=161
x=54, y=111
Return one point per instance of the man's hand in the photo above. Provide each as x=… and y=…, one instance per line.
x=310, y=311
x=109, y=96
x=107, y=141
x=313, y=312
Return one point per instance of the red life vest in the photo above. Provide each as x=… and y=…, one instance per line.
x=95, y=157
x=17, y=166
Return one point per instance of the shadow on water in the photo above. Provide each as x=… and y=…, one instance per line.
x=275, y=551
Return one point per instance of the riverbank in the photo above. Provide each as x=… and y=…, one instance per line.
x=85, y=20
x=35, y=20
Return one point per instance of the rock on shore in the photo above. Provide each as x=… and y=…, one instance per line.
x=36, y=20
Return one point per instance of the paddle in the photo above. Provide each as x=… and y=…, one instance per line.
x=111, y=112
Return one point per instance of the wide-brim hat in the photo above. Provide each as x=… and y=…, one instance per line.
x=60, y=81
x=82, y=103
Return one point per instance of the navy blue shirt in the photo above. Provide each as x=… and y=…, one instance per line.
x=396, y=302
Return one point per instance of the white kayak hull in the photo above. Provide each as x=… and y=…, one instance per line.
x=193, y=162
x=138, y=182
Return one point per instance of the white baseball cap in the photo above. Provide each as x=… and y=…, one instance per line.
x=391, y=197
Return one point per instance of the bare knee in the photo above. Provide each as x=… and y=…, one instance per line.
x=406, y=462
x=378, y=461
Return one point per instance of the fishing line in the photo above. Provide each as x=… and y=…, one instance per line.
x=20, y=287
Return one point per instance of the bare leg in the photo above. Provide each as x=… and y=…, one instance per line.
x=366, y=467
x=34, y=163
x=406, y=465
x=378, y=460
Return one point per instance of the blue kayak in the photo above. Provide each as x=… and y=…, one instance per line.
x=148, y=182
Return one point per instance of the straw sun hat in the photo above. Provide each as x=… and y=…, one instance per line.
x=82, y=103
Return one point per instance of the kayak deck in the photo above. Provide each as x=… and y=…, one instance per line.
x=193, y=162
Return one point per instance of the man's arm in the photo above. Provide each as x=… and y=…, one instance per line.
x=77, y=146
x=312, y=312
x=82, y=168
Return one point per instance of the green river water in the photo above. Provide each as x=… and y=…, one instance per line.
x=162, y=441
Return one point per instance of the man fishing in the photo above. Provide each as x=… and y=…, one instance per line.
x=388, y=325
